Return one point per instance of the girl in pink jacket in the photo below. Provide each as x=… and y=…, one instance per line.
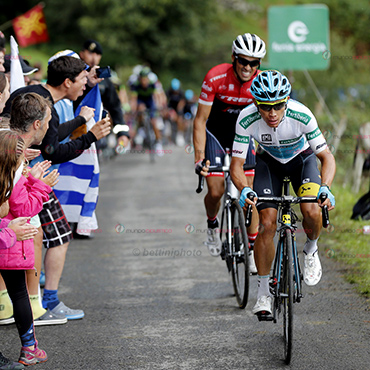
x=16, y=257
x=26, y=200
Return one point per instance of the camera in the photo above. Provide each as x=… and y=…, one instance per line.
x=103, y=72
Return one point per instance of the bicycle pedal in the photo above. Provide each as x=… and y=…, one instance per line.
x=264, y=316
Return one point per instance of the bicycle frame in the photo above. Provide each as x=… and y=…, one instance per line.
x=231, y=193
x=235, y=245
x=287, y=220
x=286, y=286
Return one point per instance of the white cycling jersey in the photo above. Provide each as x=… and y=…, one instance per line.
x=297, y=131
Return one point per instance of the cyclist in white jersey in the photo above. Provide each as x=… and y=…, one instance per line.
x=289, y=142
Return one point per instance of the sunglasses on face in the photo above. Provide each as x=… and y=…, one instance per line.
x=246, y=62
x=268, y=107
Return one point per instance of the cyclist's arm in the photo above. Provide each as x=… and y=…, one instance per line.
x=199, y=131
x=328, y=166
x=237, y=174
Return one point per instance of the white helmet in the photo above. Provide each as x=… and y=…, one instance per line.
x=250, y=45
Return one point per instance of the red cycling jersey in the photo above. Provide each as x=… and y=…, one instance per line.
x=228, y=97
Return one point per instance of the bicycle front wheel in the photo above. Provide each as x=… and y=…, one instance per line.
x=149, y=138
x=240, y=268
x=288, y=290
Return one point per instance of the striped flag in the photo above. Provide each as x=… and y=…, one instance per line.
x=78, y=186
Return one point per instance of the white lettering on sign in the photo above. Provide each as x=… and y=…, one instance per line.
x=297, y=31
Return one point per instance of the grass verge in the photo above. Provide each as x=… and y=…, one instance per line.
x=346, y=241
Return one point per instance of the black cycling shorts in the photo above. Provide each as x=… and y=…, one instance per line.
x=302, y=170
x=215, y=153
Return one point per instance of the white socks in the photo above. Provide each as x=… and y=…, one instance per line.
x=310, y=246
x=263, y=286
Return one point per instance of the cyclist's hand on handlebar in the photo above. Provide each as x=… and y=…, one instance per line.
x=330, y=200
x=244, y=199
x=201, y=167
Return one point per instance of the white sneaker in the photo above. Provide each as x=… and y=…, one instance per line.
x=252, y=263
x=263, y=305
x=312, y=268
x=214, y=243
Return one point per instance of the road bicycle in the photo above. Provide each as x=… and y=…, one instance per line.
x=286, y=279
x=145, y=135
x=233, y=234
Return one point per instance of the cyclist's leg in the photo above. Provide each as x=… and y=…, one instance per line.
x=308, y=184
x=266, y=182
x=215, y=181
x=252, y=230
x=153, y=121
x=212, y=201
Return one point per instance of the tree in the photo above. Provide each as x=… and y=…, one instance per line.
x=163, y=33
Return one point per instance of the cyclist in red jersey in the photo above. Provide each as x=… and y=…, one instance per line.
x=225, y=92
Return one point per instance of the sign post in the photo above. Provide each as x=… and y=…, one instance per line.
x=299, y=37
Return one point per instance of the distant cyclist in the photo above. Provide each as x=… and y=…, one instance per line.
x=289, y=143
x=144, y=96
x=176, y=103
x=225, y=92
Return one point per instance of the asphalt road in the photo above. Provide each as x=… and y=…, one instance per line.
x=155, y=299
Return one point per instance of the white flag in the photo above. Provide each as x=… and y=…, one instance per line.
x=16, y=73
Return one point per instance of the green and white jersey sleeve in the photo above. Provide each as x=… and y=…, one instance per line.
x=297, y=132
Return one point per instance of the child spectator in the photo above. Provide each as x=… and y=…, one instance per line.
x=15, y=257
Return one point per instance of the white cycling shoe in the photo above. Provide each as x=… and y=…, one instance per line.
x=312, y=271
x=214, y=243
x=263, y=305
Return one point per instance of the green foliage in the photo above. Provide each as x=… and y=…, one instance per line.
x=165, y=33
x=345, y=241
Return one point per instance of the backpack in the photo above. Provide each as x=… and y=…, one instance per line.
x=362, y=208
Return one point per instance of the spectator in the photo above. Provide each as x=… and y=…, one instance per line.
x=81, y=218
x=11, y=147
x=66, y=78
x=26, y=68
x=91, y=54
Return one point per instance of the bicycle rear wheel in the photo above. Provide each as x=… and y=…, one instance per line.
x=288, y=290
x=240, y=268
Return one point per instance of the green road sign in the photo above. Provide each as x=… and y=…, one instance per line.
x=298, y=37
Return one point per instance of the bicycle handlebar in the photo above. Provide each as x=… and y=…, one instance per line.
x=224, y=169
x=290, y=200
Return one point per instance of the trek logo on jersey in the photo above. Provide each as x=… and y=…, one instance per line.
x=315, y=133
x=234, y=99
x=241, y=139
x=203, y=95
x=248, y=120
x=266, y=137
x=299, y=116
x=217, y=77
x=206, y=87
